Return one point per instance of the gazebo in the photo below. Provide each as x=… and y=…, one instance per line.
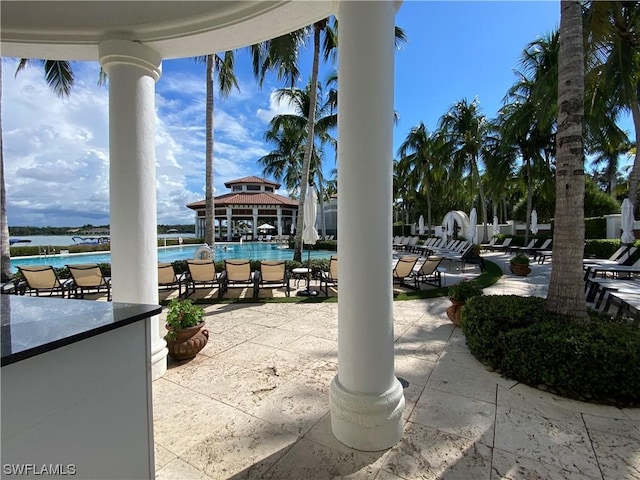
x=130, y=40
x=253, y=201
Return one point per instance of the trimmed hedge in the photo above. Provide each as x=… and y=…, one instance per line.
x=598, y=361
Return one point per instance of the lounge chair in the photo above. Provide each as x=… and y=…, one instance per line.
x=330, y=277
x=239, y=275
x=202, y=274
x=545, y=246
x=403, y=269
x=621, y=256
x=88, y=278
x=491, y=243
x=42, y=279
x=273, y=273
x=512, y=248
x=503, y=246
x=428, y=273
x=168, y=279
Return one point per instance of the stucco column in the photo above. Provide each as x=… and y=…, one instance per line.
x=255, y=223
x=279, y=225
x=229, y=226
x=366, y=398
x=133, y=70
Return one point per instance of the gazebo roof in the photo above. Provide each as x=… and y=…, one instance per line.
x=252, y=180
x=247, y=198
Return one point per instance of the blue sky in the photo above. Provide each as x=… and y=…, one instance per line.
x=56, y=150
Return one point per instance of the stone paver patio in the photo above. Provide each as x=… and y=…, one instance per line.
x=255, y=404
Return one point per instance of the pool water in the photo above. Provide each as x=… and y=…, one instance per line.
x=253, y=251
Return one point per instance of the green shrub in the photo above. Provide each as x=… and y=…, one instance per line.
x=595, y=227
x=520, y=259
x=601, y=248
x=464, y=290
x=597, y=361
x=485, y=319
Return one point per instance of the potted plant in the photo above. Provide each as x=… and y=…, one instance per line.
x=519, y=265
x=459, y=294
x=187, y=334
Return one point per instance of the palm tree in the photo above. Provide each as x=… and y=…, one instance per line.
x=615, y=55
x=466, y=132
x=223, y=66
x=566, y=287
x=59, y=77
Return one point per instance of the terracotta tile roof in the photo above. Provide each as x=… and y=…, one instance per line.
x=251, y=179
x=247, y=198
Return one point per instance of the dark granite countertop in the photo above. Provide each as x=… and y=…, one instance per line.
x=35, y=325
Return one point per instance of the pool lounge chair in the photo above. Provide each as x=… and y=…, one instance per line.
x=202, y=274
x=239, y=275
x=42, y=279
x=273, y=274
x=503, y=246
x=330, y=277
x=403, y=268
x=88, y=278
x=168, y=279
x=428, y=273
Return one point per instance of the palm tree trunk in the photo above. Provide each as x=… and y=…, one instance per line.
x=209, y=231
x=529, y=201
x=634, y=177
x=323, y=225
x=5, y=254
x=485, y=228
x=566, y=286
x=308, y=149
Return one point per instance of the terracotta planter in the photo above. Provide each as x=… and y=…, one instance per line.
x=454, y=311
x=519, y=269
x=188, y=342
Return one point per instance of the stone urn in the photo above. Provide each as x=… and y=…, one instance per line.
x=454, y=311
x=188, y=341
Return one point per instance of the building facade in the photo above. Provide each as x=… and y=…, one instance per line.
x=252, y=203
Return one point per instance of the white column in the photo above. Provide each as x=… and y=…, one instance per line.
x=279, y=225
x=255, y=223
x=229, y=236
x=133, y=69
x=366, y=398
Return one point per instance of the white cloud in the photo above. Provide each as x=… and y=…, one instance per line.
x=276, y=107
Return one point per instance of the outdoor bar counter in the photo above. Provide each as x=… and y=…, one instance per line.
x=76, y=388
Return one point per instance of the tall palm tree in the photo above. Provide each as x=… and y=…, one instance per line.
x=566, y=287
x=466, y=130
x=614, y=43
x=223, y=67
x=59, y=77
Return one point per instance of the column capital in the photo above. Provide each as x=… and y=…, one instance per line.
x=119, y=52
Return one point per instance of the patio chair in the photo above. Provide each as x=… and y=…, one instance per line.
x=239, y=275
x=403, y=269
x=273, y=273
x=42, y=279
x=512, y=248
x=202, y=274
x=428, y=273
x=88, y=278
x=330, y=277
x=503, y=246
x=168, y=279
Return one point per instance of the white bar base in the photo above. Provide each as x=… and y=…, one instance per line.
x=366, y=422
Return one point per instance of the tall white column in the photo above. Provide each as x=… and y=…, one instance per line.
x=229, y=225
x=133, y=69
x=255, y=223
x=366, y=398
x=279, y=221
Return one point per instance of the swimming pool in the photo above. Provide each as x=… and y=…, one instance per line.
x=253, y=251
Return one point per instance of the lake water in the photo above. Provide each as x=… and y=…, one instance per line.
x=66, y=240
x=253, y=251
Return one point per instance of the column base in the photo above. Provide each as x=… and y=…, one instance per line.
x=366, y=422
x=159, y=354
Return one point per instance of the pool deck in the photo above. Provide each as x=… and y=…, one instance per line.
x=255, y=404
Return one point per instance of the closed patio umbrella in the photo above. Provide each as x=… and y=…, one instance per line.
x=627, y=222
x=421, y=225
x=309, y=233
x=534, y=222
x=496, y=226
x=450, y=225
x=473, y=223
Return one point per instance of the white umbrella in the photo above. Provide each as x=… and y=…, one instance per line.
x=627, y=222
x=309, y=232
x=496, y=226
x=292, y=229
x=444, y=234
x=266, y=226
x=421, y=225
x=450, y=225
x=473, y=223
x=534, y=222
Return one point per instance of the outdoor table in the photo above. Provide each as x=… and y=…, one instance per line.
x=301, y=273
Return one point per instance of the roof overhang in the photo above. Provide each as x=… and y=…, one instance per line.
x=72, y=30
